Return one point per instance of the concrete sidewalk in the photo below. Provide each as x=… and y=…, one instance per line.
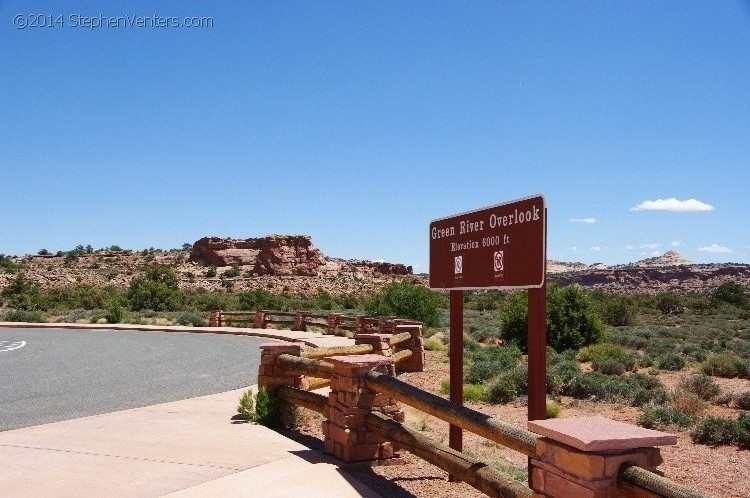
x=186, y=448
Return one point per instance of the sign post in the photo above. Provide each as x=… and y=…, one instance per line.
x=498, y=247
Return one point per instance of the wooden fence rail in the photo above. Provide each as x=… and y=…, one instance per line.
x=365, y=383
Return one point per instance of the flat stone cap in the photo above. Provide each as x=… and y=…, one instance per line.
x=600, y=434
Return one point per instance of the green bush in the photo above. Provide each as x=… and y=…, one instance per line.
x=552, y=409
x=245, y=408
x=506, y=386
x=700, y=384
x=572, y=322
x=156, y=289
x=209, y=301
x=24, y=316
x=722, y=365
x=637, y=389
x=211, y=272
x=560, y=375
x=487, y=362
x=115, y=314
x=473, y=392
x=658, y=416
x=669, y=303
x=717, y=431
x=267, y=409
x=20, y=293
x=743, y=400
x=260, y=299
x=670, y=361
x=607, y=356
x=189, y=319
x=687, y=402
x=618, y=311
x=405, y=300
x=730, y=293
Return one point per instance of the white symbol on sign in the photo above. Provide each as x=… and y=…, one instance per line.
x=498, y=261
x=459, y=265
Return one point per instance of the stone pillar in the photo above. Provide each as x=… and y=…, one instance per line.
x=416, y=362
x=260, y=320
x=299, y=321
x=213, y=318
x=345, y=432
x=581, y=456
x=271, y=376
x=380, y=343
x=359, y=324
x=334, y=321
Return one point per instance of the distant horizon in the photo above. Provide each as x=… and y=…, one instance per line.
x=326, y=254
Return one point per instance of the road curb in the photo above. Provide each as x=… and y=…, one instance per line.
x=307, y=338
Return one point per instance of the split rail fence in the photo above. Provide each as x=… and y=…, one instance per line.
x=332, y=323
x=363, y=423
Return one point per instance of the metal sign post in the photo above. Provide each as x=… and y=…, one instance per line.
x=499, y=247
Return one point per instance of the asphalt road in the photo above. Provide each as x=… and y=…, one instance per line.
x=63, y=374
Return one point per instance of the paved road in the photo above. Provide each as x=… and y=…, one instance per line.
x=63, y=374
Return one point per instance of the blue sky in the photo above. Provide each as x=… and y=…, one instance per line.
x=358, y=122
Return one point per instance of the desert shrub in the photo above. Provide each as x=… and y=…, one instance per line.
x=445, y=386
x=267, y=409
x=722, y=365
x=609, y=367
x=20, y=293
x=717, y=431
x=233, y=272
x=487, y=362
x=700, y=384
x=659, y=416
x=611, y=357
x=23, y=316
x=405, y=300
x=156, y=289
x=742, y=400
x=695, y=351
x=435, y=342
x=670, y=361
x=552, y=409
x=637, y=389
x=646, y=360
x=245, y=408
x=687, y=402
x=190, y=319
x=730, y=293
x=347, y=301
x=323, y=300
x=669, y=303
x=115, y=314
x=560, y=375
x=618, y=311
x=506, y=386
x=209, y=301
x=572, y=322
x=473, y=392
x=211, y=272
x=258, y=299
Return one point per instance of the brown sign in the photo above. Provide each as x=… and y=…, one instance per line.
x=500, y=247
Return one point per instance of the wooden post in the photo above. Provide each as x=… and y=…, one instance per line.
x=537, y=342
x=455, y=433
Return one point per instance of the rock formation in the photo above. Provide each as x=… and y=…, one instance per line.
x=271, y=255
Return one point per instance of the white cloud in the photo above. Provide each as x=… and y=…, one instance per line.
x=672, y=204
x=676, y=243
x=596, y=248
x=574, y=248
x=589, y=221
x=630, y=247
x=654, y=253
x=649, y=246
x=715, y=248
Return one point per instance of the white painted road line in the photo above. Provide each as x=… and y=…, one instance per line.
x=10, y=346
